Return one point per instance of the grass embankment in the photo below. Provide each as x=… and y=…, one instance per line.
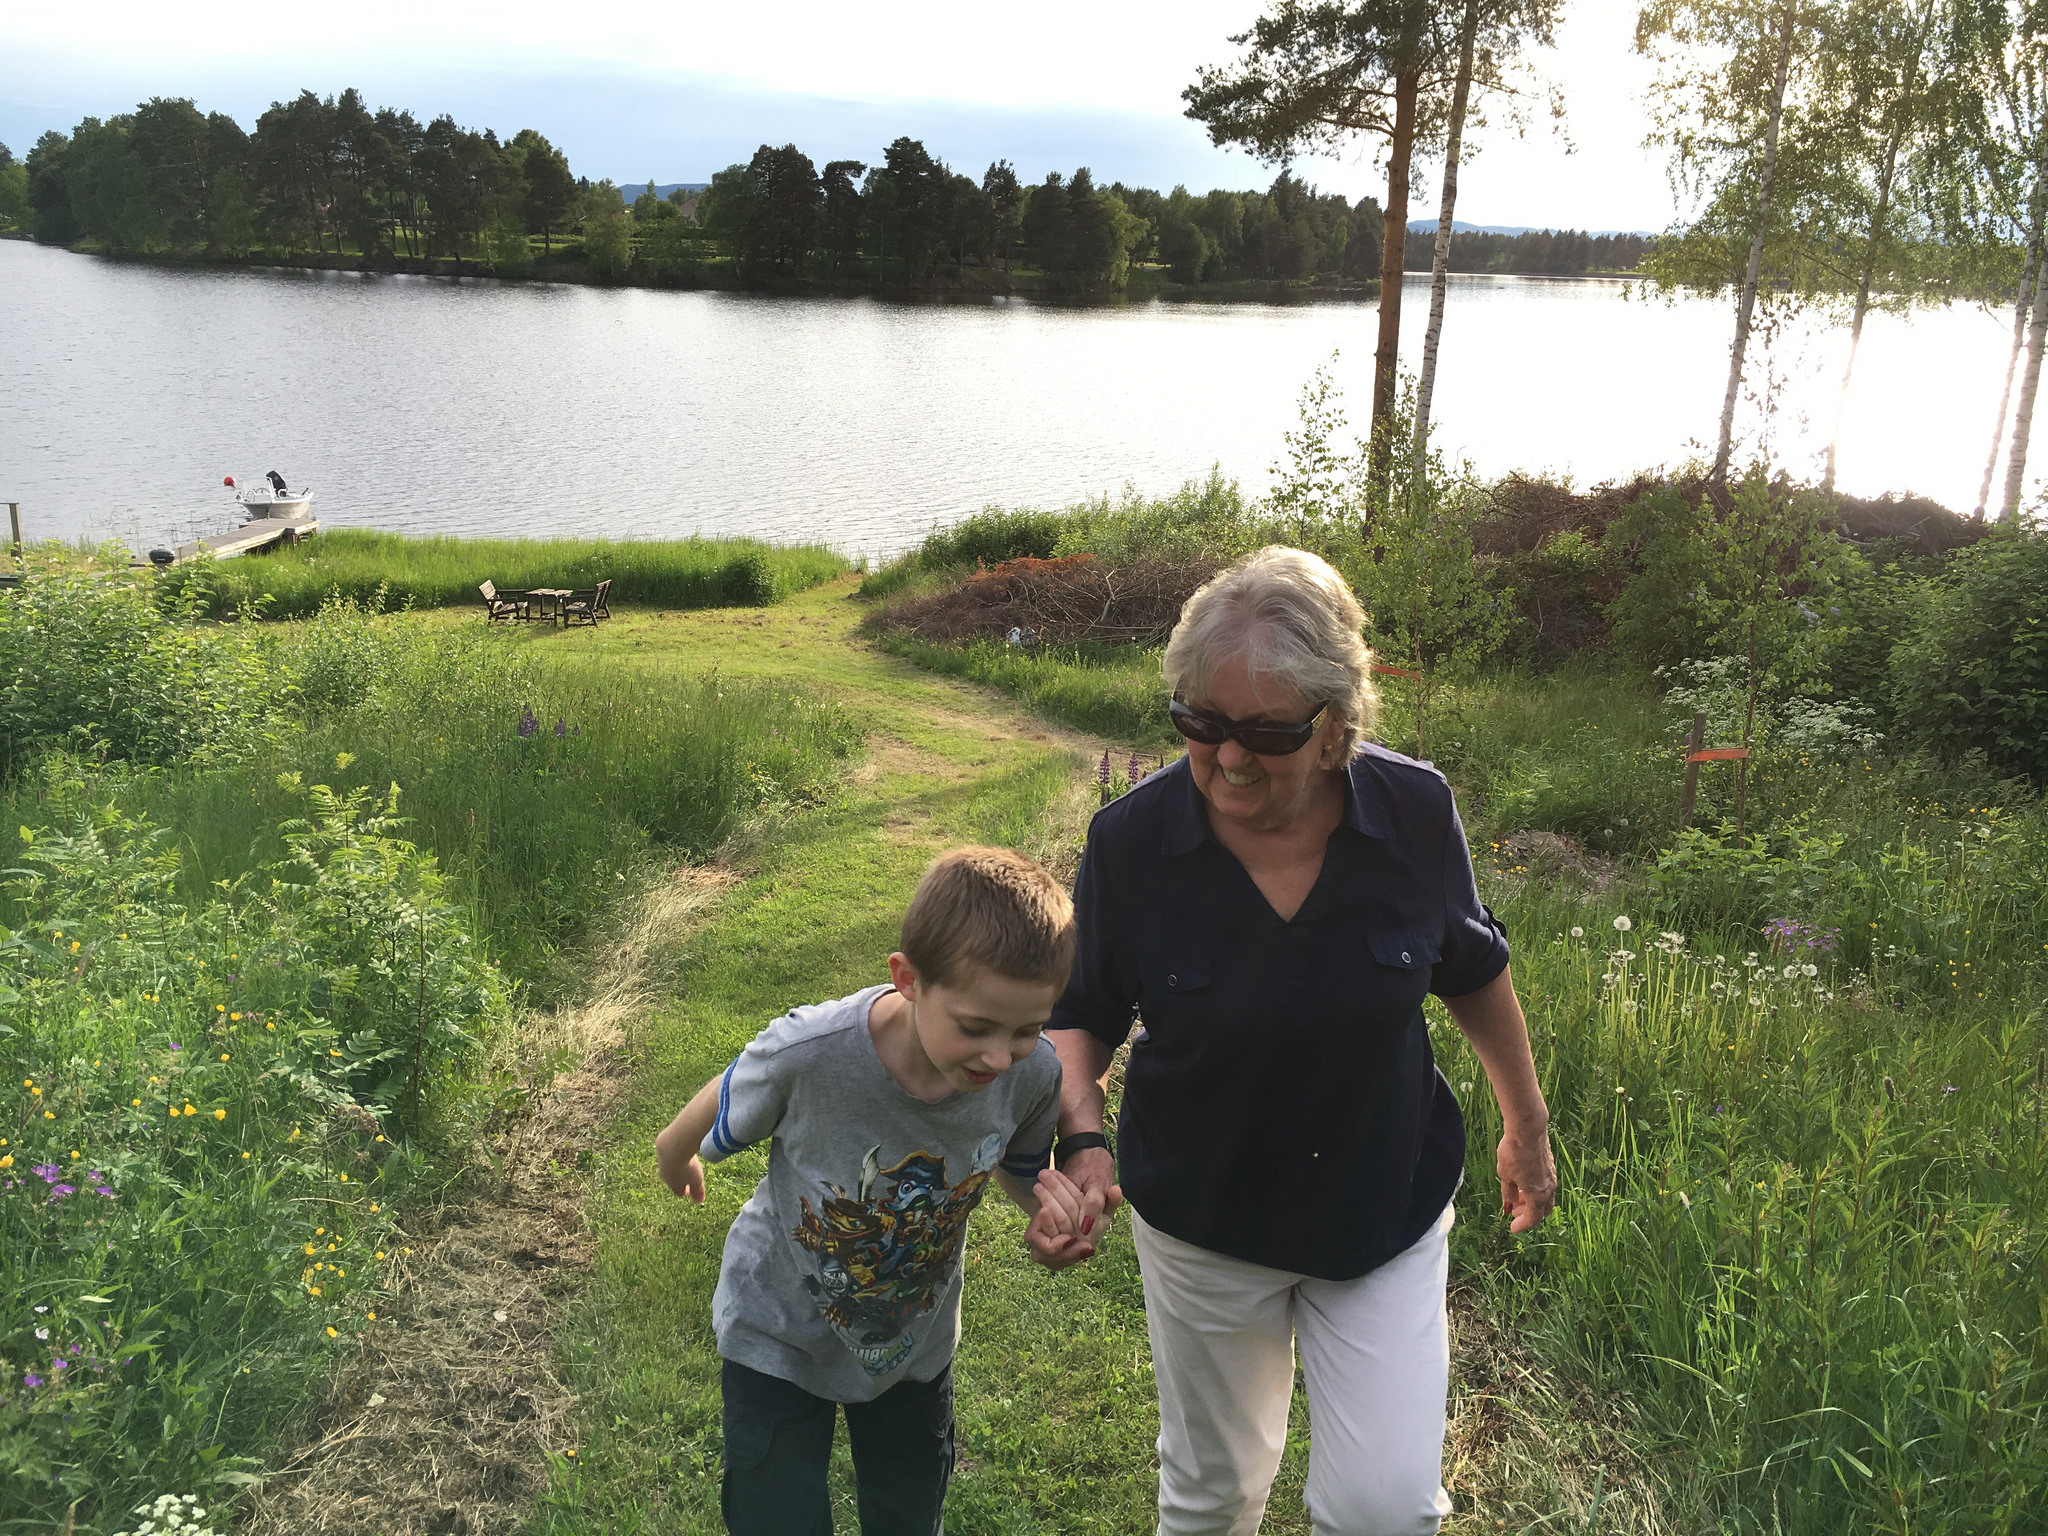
x=1799, y=1096
x=445, y=572
x=247, y=1050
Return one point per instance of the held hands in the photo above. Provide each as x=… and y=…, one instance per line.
x=1075, y=1209
x=1528, y=1179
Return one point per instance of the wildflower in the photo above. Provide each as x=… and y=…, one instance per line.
x=224, y=1054
x=176, y=1047
x=561, y=728
x=313, y=1290
x=31, y=1379
x=49, y=1115
x=136, y=1103
x=220, y=1114
x=47, y=1172
x=7, y=1160
x=1102, y=773
x=374, y=1209
x=1133, y=771
x=1809, y=970
x=270, y=1026
x=528, y=725
x=332, y=1334
x=1578, y=933
x=59, y=1191
x=36, y=1093
x=309, y=1248
x=372, y=1316
x=344, y=1178
x=43, y=1333
x=1622, y=924
x=190, y=1110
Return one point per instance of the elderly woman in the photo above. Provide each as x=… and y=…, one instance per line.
x=1272, y=910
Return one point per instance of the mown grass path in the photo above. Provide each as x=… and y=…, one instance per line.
x=1056, y=1406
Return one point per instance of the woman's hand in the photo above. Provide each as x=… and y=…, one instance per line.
x=1068, y=1226
x=1528, y=1179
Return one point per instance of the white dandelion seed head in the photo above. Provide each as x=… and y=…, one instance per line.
x=1622, y=924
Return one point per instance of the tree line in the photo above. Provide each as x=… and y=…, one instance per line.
x=1531, y=253
x=333, y=177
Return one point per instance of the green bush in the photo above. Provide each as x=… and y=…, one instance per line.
x=445, y=572
x=91, y=662
x=1972, y=676
x=212, y=1111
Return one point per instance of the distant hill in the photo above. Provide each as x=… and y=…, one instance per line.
x=1460, y=227
x=661, y=188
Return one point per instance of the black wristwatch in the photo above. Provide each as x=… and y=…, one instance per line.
x=1081, y=1141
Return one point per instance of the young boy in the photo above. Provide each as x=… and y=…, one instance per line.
x=889, y=1112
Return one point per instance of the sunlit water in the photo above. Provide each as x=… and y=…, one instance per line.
x=426, y=405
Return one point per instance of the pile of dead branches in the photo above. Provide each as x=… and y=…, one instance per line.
x=1055, y=602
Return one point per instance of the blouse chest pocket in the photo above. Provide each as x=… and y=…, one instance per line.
x=1175, y=977
x=1406, y=949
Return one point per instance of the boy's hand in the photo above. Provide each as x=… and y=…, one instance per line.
x=1060, y=1231
x=686, y=1178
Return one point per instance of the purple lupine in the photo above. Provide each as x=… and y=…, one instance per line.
x=527, y=723
x=1134, y=772
x=1102, y=773
x=561, y=728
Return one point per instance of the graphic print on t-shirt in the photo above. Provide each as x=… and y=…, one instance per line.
x=881, y=1254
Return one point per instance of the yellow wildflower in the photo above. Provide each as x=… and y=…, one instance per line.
x=47, y=1115
x=220, y=1007
x=309, y=1248
x=220, y=1114
x=136, y=1102
x=271, y=1025
x=35, y=1093
x=224, y=1054
x=374, y=1209
x=245, y=1157
x=373, y=1317
x=332, y=1334
x=313, y=1289
x=344, y=1178
x=237, y=1018
x=190, y=1110
x=7, y=1161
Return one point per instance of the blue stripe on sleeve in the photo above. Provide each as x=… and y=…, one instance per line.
x=1026, y=1165
x=721, y=1128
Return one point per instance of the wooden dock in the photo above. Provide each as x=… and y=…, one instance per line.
x=249, y=539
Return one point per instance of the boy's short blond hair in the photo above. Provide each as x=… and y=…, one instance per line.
x=993, y=908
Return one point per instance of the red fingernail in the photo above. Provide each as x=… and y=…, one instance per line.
x=1087, y=1225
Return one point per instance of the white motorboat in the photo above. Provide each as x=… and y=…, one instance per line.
x=270, y=497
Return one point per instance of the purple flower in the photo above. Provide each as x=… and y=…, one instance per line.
x=59, y=1191
x=103, y=1190
x=561, y=727
x=48, y=1172
x=1134, y=772
x=1102, y=773
x=31, y=1379
x=57, y=1365
x=176, y=1047
x=527, y=723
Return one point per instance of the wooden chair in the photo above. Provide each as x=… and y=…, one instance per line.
x=587, y=607
x=505, y=605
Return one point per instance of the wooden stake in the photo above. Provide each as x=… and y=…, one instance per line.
x=1692, y=769
x=14, y=521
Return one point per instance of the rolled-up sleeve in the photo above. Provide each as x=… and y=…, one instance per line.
x=1102, y=992
x=1475, y=946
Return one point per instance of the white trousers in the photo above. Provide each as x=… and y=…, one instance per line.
x=1375, y=1353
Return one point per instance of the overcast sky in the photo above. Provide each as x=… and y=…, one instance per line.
x=639, y=89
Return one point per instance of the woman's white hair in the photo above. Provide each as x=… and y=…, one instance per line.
x=1291, y=619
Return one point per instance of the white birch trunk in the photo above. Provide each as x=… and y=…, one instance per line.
x=1746, y=306
x=2023, y=413
x=2030, y=277
x=1440, y=266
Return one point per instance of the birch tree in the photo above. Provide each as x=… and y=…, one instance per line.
x=1509, y=28
x=1734, y=87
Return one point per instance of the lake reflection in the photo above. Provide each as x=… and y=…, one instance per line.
x=429, y=406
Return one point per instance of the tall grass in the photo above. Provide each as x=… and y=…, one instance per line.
x=240, y=990
x=1803, y=1221
x=445, y=572
x=1111, y=690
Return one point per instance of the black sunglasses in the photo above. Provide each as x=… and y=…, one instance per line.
x=1254, y=736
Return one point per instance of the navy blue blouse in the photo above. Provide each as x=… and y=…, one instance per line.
x=1281, y=1104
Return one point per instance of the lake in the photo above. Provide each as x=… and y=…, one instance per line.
x=431, y=406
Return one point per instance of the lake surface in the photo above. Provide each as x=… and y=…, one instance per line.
x=430, y=406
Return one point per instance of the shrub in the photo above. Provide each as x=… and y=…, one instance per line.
x=1972, y=676
x=91, y=662
x=213, y=1109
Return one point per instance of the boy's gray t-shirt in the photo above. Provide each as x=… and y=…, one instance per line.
x=842, y=1273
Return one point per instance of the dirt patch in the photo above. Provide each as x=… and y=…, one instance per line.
x=445, y=1421
x=1524, y=1445
x=1055, y=602
x=1553, y=858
